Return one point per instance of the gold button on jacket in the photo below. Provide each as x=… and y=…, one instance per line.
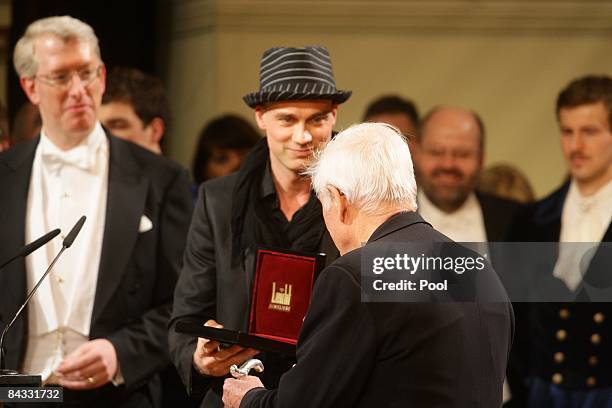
x=561, y=335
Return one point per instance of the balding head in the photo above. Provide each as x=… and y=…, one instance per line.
x=453, y=121
x=450, y=149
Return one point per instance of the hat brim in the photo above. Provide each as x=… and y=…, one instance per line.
x=255, y=99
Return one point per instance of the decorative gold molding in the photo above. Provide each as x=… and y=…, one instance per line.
x=386, y=16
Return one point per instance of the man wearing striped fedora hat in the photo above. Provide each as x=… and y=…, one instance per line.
x=268, y=202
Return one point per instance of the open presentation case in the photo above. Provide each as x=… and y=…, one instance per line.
x=282, y=288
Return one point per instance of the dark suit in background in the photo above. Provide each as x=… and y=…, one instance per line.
x=137, y=273
x=357, y=354
x=497, y=213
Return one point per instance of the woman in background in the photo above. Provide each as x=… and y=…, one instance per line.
x=223, y=144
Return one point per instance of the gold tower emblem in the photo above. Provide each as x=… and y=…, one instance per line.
x=281, y=299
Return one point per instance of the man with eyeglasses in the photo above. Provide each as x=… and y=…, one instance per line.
x=97, y=325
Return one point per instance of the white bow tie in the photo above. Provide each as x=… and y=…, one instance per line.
x=77, y=157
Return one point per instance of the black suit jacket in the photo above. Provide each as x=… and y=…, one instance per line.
x=497, y=213
x=538, y=323
x=212, y=285
x=357, y=354
x=137, y=271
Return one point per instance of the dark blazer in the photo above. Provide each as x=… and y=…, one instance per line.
x=540, y=221
x=497, y=213
x=538, y=343
x=211, y=285
x=137, y=271
x=358, y=354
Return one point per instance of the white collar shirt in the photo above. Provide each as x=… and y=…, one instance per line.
x=584, y=221
x=466, y=224
x=64, y=185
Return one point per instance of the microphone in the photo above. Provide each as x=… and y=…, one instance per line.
x=74, y=232
x=67, y=243
x=32, y=246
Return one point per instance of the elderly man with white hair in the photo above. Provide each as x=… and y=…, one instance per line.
x=353, y=352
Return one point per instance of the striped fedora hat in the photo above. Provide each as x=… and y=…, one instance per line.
x=288, y=73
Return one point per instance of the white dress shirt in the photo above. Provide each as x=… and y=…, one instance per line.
x=465, y=225
x=584, y=220
x=64, y=185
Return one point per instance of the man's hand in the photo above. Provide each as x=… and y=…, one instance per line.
x=210, y=359
x=234, y=390
x=92, y=365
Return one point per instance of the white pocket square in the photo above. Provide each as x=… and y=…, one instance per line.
x=145, y=224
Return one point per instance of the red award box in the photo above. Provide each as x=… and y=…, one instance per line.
x=282, y=288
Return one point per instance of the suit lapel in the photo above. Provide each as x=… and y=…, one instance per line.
x=15, y=188
x=127, y=190
x=608, y=235
x=548, y=215
x=494, y=224
x=15, y=185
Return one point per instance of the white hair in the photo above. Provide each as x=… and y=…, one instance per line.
x=65, y=27
x=370, y=164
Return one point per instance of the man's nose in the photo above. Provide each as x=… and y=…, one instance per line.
x=76, y=86
x=447, y=160
x=301, y=135
x=577, y=143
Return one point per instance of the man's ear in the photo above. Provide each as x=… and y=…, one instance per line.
x=334, y=113
x=339, y=204
x=103, y=77
x=481, y=159
x=158, y=127
x=259, y=112
x=29, y=87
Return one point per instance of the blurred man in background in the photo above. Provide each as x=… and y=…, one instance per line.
x=135, y=108
x=448, y=161
x=563, y=353
x=395, y=111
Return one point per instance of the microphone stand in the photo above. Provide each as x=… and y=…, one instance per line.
x=3, y=370
x=12, y=377
x=32, y=246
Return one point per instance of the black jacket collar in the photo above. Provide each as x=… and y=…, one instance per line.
x=550, y=209
x=397, y=222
